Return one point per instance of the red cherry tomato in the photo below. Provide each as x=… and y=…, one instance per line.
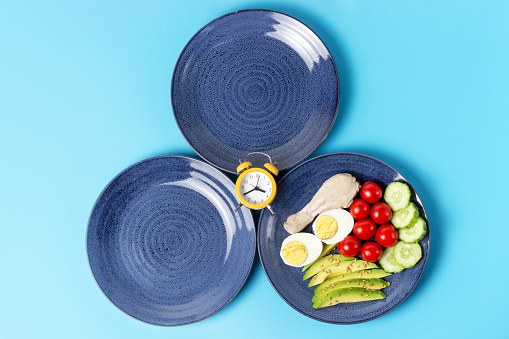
x=371, y=251
x=359, y=209
x=386, y=235
x=350, y=246
x=381, y=213
x=371, y=192
x=364, y=229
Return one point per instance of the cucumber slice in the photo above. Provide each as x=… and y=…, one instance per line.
x=407, y=255
x=406, y=217
x=397, y=195
x=387, y=261
x=415, y=233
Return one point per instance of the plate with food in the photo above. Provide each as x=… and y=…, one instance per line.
x=349, y=239
x=255, y=80
x=164, y=243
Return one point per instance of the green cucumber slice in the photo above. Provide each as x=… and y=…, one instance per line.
x=406, y=217
x=397, y=195
x=387, y=261
x=407, y=255
x=415, y=233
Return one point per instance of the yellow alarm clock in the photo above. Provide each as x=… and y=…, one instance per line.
x=255, y=186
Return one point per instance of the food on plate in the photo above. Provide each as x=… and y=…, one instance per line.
x=365, y=229
x=343, y=278
x=359, y=209
x=371, y=192
x=386, y=235
x=322, y=263
x=336, y=192
x=350, y=246
x=325, y=226
x=406, y=217
x=371, y=251
x=415, y=233
x=327, y=248
x=333, y=226
x=300, y=249
x=340, y=268
x=397, y=195
x=294, y=253
x=387, y=261
x=348, y=295
x=364, y=274
x=381, y=213
x=407, y=255
x=371, y=283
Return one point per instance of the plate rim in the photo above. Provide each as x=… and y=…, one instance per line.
x=425, y=259
x=336, y=109
x=88, y=228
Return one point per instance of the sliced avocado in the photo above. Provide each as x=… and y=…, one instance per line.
x=370, y=284
x=349, y=295
x=324, y=262
x=337, y=269
x=365, y=274
x=327, y=248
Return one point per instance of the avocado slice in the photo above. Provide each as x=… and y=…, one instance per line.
x=337, y=269
x=349, y=295
x=327, y=248
x=324, y=262
x=370, y=284
x=365, y=274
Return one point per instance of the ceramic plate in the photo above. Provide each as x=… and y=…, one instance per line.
x=164, y=243
x=255, y=80
x=295, y=190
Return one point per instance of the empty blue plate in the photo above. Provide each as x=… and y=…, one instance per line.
x=295, y=190
x=164, y=243
x=255, y=80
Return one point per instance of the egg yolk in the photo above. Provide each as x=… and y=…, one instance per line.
x=295, y=253
x=326, y=226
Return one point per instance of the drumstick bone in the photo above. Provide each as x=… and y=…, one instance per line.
x=336, y=192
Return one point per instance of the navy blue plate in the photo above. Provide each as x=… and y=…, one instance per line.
x=164, y=243
x=255, y=80
x=295, y=190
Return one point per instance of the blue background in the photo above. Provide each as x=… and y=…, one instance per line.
x=84, y=93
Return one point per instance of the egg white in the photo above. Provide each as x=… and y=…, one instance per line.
x=345, y=224
x=312, y=243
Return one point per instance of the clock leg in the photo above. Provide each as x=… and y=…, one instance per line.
x=240, y=205
x=270, y=209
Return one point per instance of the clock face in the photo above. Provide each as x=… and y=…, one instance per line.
x=256, y=187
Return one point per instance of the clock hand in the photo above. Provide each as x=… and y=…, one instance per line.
x=250, y=191
x=259, y=189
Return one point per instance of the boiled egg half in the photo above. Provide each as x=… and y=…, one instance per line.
x=300, y=249
x=332, y=226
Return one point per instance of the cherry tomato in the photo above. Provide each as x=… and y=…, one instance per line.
x=371, y=192
x=350, y=246
x=359, y=209
x=386, y=235
x=364, y=229
x=381, y=213
x=371, y=251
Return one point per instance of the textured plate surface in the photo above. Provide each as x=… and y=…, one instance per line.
x=255, y=80
x=295, y=190
x=164, y=243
